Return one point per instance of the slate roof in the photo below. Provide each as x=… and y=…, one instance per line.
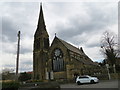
x=71, y=47
x=78, y=51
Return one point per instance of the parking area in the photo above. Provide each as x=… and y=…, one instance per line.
x=101, y=84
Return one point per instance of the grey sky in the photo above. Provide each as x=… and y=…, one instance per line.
x=79, y=23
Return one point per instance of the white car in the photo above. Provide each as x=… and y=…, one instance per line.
x=86, y=79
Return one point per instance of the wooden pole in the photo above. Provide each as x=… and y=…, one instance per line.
x=17, y=60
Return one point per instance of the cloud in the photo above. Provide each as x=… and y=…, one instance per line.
x=26, y=44
x=26, y=62
x=93, y=41
x=8, y=60
x=8, y=30
x=9, y=47
x=92, y=20
x=94, y=53
x=19, y=16
x=78, y=23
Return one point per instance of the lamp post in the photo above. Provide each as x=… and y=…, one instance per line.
x=114, y=68
x=107, y=66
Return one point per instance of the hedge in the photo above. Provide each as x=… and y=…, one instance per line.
x=10, y=85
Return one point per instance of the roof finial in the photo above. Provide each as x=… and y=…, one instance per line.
x=81, y=49
x=55, y=34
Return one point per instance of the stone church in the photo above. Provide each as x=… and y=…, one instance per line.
x=60, y=60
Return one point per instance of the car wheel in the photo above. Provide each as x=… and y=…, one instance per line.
x=78, y=83
x=92, y=81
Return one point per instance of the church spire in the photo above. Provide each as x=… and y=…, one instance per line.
x=41, y=17
x=41, y=28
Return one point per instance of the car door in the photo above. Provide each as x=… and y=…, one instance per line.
x=86, y=79
x=81, y=79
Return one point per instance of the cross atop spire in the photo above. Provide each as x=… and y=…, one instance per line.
x=55, y=34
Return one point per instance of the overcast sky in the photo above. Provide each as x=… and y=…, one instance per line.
x=79, y=23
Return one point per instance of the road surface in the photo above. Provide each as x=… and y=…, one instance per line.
x=101, y=84
x=112, y=85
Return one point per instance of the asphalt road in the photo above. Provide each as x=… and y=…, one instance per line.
x=112, y=84
x=101, y=84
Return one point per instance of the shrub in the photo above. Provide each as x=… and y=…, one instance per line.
x=24, y=76
x=10, y=85
x=115, y=75
x=102, y=77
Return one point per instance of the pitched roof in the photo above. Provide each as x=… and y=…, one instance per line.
x=78, y=51
x=71, y=47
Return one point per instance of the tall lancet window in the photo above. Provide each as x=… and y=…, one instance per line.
x=46, y=43
x=57, y=60
x=37, y=44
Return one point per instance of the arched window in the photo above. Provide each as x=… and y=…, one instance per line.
x=57, y=60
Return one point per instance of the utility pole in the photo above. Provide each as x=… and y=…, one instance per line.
x=17, y=60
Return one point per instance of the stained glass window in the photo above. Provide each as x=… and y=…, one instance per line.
x=58, y=62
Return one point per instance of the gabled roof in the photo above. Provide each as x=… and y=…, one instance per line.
x=71, y=47
x=78, y=51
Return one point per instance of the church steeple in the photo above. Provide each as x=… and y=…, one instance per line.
x=40, y=49
x=41, y=27
x=41, y=21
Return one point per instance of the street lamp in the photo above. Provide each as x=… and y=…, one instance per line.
x=107, y=66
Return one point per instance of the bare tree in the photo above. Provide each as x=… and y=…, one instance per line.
x=109, y=48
